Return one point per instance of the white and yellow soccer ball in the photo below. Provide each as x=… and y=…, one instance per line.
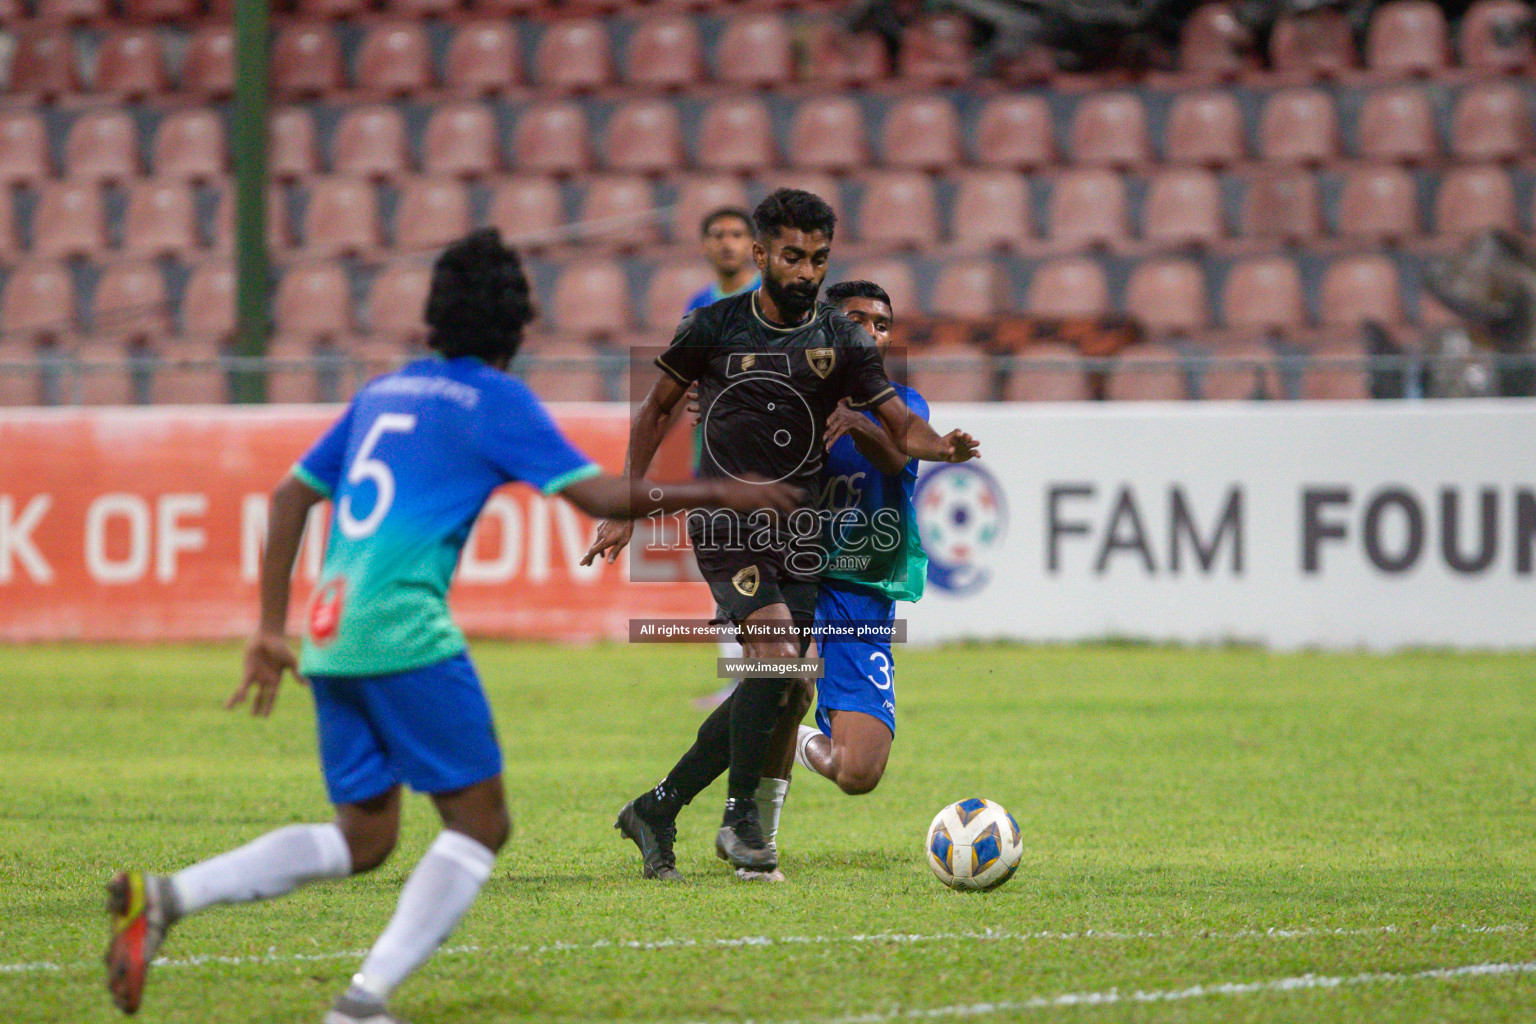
x=974, y=845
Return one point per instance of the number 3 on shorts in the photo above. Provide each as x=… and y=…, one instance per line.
x=365, y=468
x=883, y=664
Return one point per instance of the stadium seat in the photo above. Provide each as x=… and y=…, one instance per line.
x=834, y=58
x=970, y=289
x=306, y=61
x=423, y=8
x=1299, y=126
x=699, y=196
x=69, y=220
x=432, y=213
x=24, y=155
x=1281, y=204
x=160, y=218
x=1241, y=371
x=664, y=53
x=1047, y=372
x=1492, y=122
x=1481, y=47
x=461, y=141
x=58, y=12
x=992, y=209
x=292, y=151
x=1205, y=128
x=160, y=10
x=1317, y=44
x=1336, y=372
x=736, y=134
x=38, y=303
x=951, y=372
x=1472, y=200
x=102, y=145
x=369, y=142
x=644, y=136
x=828, y=134
x=755, y=49
x=592, y=300
x=1213, y=45
x=573, y=56
x=1379, y=204
x=895, y=275
x=1146, y=372
x=1016, y=132
x=130, y=303
x=189, y=145
x=1168, y=297
x=208, y=304
x=101, y=373
x=668, y=292
x=562, y=370
x=1088, y=208
x=342, y=217
x=1361, y=289
x=43, y=63
x=10, y=241
x=935, y=49
x=397, y=300
x=277, y=221
x=528, y=211
x=1264, y=294
x=482, y=58
x=502, y=8
x=620, y=210
x=1072, y=287
x=1183, y=208
x=923, y=133
x=899, y=209
x=189, y=373
x=1398, y=125
x=208, y=69
x=551, y=138
x=1110, y=130
x=314, y=300
x=394, y=59
x=318, y=9
x=130, y=64
x=1408, y=37
x=294, y=380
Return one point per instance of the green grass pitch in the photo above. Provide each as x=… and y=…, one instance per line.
x=1210, y=835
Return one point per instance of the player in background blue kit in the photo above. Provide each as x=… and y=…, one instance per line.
x=408, y=467
x=726, y=237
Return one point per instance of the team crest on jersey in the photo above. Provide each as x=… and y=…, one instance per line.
x=325, y=611
x=746, y=581
x=822, y=360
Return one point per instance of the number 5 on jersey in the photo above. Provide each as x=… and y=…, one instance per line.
x=365, y=467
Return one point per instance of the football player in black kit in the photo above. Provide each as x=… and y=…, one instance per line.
x=771, y=366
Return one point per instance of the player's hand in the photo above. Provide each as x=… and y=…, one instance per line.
x=267, y=657
x=843, y=421
x=961, y=447
x=695, y=417
x=612, y=535
x=754, y=493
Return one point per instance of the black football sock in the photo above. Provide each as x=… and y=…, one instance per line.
x=754, y=714
x=704, y=762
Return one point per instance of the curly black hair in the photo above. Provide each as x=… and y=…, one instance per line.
x=795, y=209
x=480, y=300
x=844, y=290
x=721, y=214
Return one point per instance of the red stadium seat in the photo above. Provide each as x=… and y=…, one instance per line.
x=1281, y=205
x=1379, y=204
x=551, y=138
x=331, y=8
x=1362, y=289
x=1213, y=44
x=1299, y=126
x=756, y=50
x=665, y=53
x=1168, y=297
x=1244, y=370
x=369, y=142
x=573, y=55
x=837, y=59
x=43, y=63
x=190, y=374
x=1048, y=372
x=1205, y=128
x=314, y=300
x=970, y=289
x=1110, y=130
x=1183, y=208
x=395, y=59
x=160, y=219
x=208, y=70
x=1408, y=37
x=514, y=8
x=1073, y=287
x=292, y=151
x=461, y=141
x=669, y=291
x=936, y=49
x=527, y=211
x=1472, y=200
x=433, y=213
x=482, y=58
x=208, y=306
x=592, y=300
x=10, y=241
x=1264, y=294
x=63, y=11
x=922, y=132
x=894, y=274
x=951, y=372
x=38, y=303
x=1336, y=372
x=1492, y=121
x=306, y=61
x=828, y=134
x=342, y=217
x=645, y=136
x=276, y=214
x=1316, y=44
x=69, y=220
x=24, y=156
x=1016, y=132
x=423, y=8
x=1483, y=48
x=562, y=370
x=736, y=134
x=130, y=304
x=130, y=64
x=992, y=209
x=160, y=10
x=1088, y=208
x=398, y=298
x=293, y=377
x=1398, y=125
x=620, y=210
x=102, y=145
x=1146, y=372
x=899, y=209
x=189, y=145
x=697, y=197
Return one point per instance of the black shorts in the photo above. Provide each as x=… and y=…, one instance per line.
x=744, y=581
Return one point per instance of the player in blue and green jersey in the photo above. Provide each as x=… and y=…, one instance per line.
x=407, y=467
x=726, y=237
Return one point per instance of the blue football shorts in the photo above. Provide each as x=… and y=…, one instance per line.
x=428, y=727
x=859, y=672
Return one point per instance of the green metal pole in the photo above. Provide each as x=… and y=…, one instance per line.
x=250, y=155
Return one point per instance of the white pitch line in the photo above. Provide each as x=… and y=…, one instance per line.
x=766, y=941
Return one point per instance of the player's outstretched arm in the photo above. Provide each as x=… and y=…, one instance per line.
x=267, y=654
x=645, y=434
x=871, y=441
x=914, y=436
x=620, y=497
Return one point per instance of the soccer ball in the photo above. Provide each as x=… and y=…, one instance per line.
x=974, y=845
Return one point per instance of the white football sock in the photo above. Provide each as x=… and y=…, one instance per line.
x=436, y=895
x=770, y=802
x=276, y=863
x=802, y=739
